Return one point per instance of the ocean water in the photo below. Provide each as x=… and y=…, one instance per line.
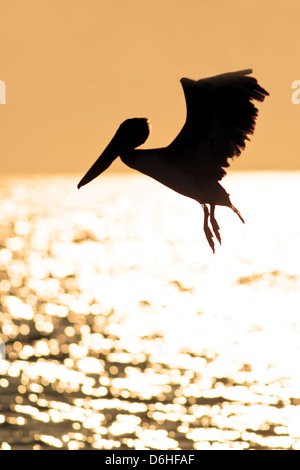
x=121, y=330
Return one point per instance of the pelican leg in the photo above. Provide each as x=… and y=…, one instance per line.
x=207, y=231
x=214, y=223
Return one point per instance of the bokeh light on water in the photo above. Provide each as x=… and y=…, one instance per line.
x=123, y=331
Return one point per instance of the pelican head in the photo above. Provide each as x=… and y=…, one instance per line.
x=131, y=134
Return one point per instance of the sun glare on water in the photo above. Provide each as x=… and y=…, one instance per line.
x=121, y=330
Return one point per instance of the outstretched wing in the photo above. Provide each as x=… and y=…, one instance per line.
x=220, y=117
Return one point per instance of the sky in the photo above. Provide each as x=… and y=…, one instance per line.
x=75, y=69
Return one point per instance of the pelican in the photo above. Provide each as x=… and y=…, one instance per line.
x=220, y=117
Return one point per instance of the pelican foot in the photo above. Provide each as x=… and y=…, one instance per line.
x=207, y=231
x=209, y=237
x=215, y=224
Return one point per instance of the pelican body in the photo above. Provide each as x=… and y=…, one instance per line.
x=220, y=117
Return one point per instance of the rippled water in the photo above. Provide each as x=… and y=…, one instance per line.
x=123, y=331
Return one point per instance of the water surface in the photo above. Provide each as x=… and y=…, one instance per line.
x=123, y=331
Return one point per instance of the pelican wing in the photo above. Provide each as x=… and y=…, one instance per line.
x=220, y=117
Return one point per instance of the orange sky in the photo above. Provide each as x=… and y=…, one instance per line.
x=75, y=69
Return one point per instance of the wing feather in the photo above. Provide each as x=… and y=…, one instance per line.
x=221, y=116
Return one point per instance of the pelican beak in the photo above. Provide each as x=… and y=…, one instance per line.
x=100, y=165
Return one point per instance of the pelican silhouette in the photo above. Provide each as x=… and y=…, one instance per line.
x=220, y=117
